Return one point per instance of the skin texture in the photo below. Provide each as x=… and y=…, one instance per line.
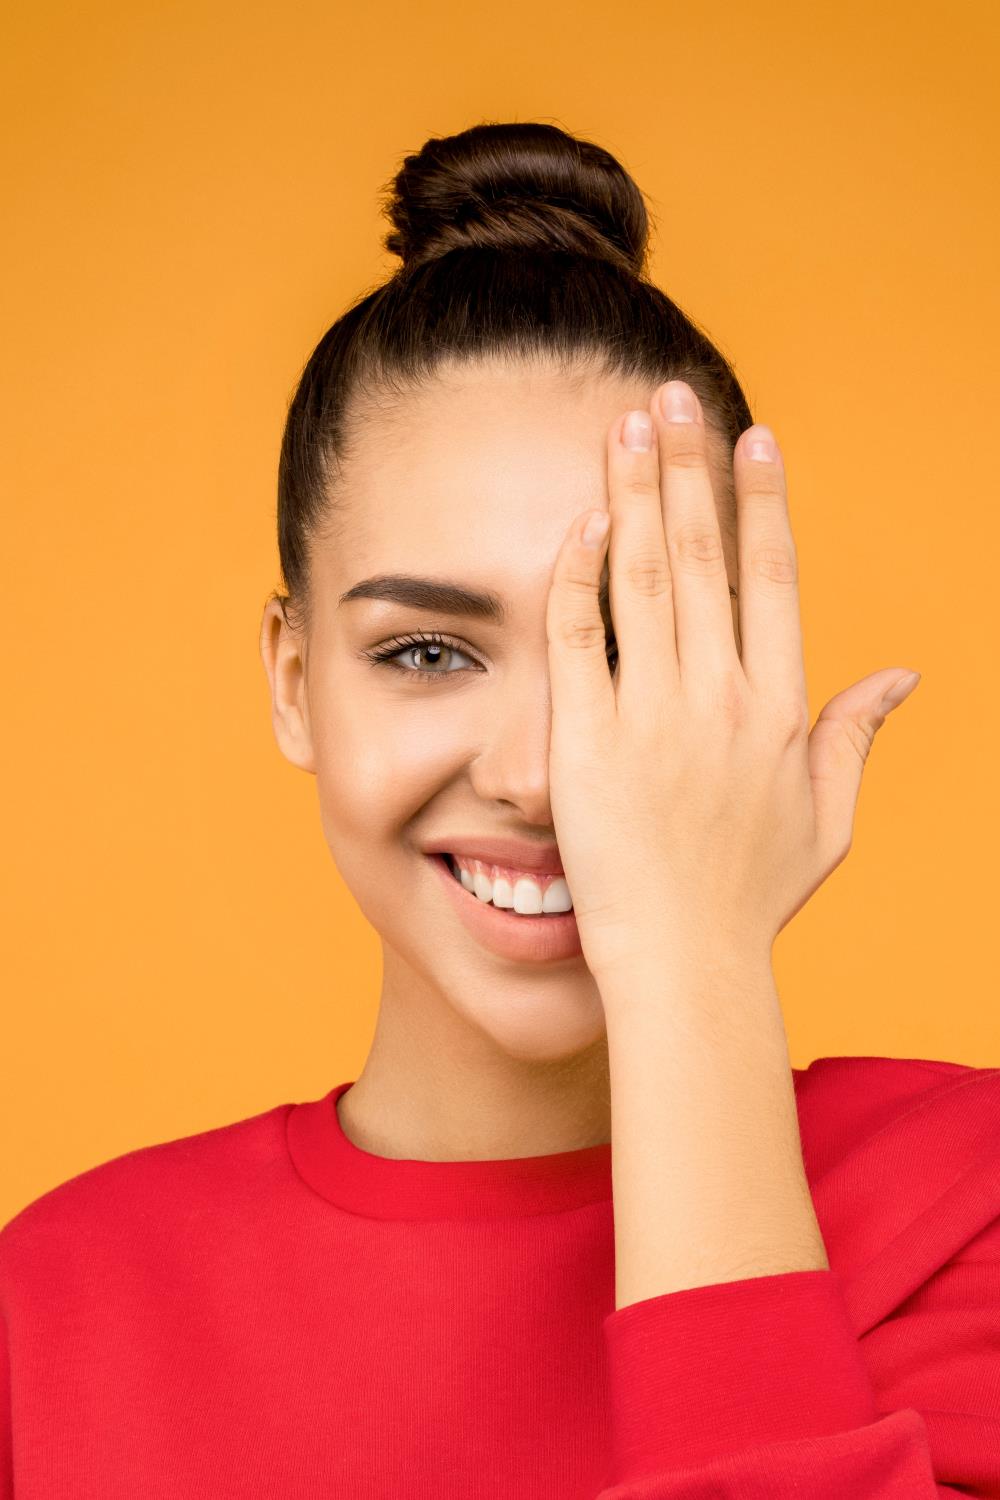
x=696, y=811
x=478, y=477
x=474, y=477
x=699, y=813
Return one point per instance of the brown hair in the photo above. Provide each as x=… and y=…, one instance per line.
x=516, y=240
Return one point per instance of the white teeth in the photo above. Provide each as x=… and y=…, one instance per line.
x=557, y=897
x=526, y=898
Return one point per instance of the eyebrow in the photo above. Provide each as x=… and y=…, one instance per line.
x=442, y=596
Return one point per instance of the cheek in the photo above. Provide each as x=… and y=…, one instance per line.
x=378, y=774
x=378, y=763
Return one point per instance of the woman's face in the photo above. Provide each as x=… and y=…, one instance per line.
x=470, y=481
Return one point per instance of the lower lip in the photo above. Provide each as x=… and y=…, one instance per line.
x=530, y=939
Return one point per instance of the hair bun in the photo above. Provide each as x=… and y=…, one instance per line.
x=515, y=187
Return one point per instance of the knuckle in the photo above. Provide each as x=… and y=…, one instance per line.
x=580, y=633
x=639, y=483
x=686, y=452
x=731, y=699
x=860, y=737
x=725, y=696
x=791, y=720
x=764, y=485
x=774, y=562
x=648, y=573
x=698, y=547
x=577, y=578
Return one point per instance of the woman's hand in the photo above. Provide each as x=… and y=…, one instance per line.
x=693, y=809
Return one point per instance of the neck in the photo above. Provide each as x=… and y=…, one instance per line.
x=434, y=1087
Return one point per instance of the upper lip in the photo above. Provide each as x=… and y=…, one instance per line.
x=515, y=854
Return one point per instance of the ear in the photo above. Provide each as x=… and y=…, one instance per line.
x=282, y=652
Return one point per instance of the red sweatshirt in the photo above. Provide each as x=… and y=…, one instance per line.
x=264, y=1310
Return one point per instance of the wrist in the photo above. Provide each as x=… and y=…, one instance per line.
x=686, y=967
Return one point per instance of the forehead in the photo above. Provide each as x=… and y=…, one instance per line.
x=475, y=474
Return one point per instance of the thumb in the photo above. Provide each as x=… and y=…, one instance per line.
x=839, y=745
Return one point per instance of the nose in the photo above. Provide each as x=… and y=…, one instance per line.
x=513, y=763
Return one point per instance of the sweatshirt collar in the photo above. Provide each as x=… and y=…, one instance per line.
x=381, y=1187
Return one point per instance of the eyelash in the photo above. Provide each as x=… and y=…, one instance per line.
x=383, y=655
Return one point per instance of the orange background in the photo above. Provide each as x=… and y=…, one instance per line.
x=192, y=193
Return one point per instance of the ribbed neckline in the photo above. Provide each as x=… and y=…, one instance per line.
x=381, y=1187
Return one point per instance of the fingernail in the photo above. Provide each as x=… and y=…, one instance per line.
x=898, y=692
x=761, y=446
x=678, y=402
x=594, y=529
x=637, y=432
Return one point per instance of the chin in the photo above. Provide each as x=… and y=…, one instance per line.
x=536, y=1019
x=545, y=1012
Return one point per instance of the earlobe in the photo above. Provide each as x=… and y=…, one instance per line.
x=281, y=655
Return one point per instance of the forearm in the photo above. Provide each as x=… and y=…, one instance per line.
x=707, y=1171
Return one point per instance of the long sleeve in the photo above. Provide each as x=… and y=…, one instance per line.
x=761, y=1388
x=6, y=1422
x=263, y=1309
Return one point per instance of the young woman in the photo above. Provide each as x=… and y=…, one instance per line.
x=579, y=1230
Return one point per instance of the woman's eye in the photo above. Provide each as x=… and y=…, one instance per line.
x=438, y=654
x=432, y=649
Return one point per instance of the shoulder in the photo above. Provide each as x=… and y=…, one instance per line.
x=903, y=1161
x=147, y=1192
x=845, y=1101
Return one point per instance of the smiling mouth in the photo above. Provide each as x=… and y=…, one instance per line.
x=511, y=893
